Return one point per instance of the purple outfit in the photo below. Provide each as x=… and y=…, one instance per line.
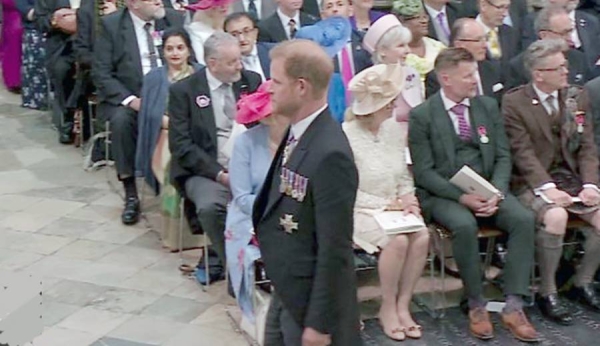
x=10, y=46
x=373, y=15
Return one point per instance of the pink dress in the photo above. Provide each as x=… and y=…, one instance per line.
x=10, y=46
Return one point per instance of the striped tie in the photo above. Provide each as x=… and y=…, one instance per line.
x=464, y=130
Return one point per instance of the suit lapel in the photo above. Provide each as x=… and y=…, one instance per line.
x=583, y=34
x=444, y=125
x=207, y=113
x=273, y=195
x=277, y=30
x=263, y=56
x=538, y=111
x=479, y=121
x=131, y=43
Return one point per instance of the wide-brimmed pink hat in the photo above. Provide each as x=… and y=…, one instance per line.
x=256, y=106
x=377, y=30
x=203, y=5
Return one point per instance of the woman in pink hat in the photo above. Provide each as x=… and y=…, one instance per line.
x=252, y=154
x=209, y=16
x=387, y=40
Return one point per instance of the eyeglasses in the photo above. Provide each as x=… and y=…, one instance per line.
x=475, y=40
x=562, y=67
x=245, y=32
x=566, y=33
x=501, y=8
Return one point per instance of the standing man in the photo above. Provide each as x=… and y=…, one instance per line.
x=128, y=45
x=285, y=22
x=555, y=159
x=303, y=215
x=451, y=129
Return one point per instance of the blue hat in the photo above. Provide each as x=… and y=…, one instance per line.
x=332, y=34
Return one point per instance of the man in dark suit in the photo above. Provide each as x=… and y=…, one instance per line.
x=555, y=159
x=285, y=22
x=469, y=34
x=551, y=23
x=60, y=60
x=451, y=129
x=257, y=9
x=442, y=14
x=255, y=55
x=127, y=47
x=202, y=113
x=303, y=214
x=516, y=13
x=583, y=38
x=503, y=42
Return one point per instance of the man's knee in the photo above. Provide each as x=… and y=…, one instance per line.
x=555, y=221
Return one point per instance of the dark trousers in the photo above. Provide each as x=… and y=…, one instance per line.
x=124, y=132
x=512, y=217
x=211, y=200
x=61, y=71
x=281, y=329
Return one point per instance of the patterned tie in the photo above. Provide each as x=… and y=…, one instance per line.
x=494, y=44
x=252, y=10
x=289, y=147
x=292, y=26
x=441, y=18
x=151, y=49
x=229, y=105
x=550, y=104
x=464, y=130
x=346, y=73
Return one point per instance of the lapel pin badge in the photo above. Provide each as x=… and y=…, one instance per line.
x=482, y=131
x=535, y=102
x=202, y=101
x=580, y=120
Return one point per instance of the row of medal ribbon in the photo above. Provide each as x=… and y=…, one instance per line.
x=293, y=184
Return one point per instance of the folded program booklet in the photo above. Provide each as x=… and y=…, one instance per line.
x=396, y=222
x=470, y=182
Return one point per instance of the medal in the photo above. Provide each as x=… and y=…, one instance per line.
x=303, y=185
x=295, y=185
x=580, y=120
x=288, y=224
x=483, y=138
x=283, y=183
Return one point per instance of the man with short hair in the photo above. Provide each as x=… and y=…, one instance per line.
x=257, y=9
x=469, y=34
x=303, y=215
x=442, y=14
x=452, y=129
x=555, y=159
x=503, y=42
x=285, y=22
x=255, y=55
x=552, y=22
x=202, y=113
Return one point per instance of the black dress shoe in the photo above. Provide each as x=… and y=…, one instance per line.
x=552, y=308
x=131, y=213
x=65, y=133
x=586, y=296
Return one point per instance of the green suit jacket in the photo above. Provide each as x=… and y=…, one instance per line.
x=431, y=139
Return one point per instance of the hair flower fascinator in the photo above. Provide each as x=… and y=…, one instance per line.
x=375, y=87
x=256, y=106
x=332, y=34
x=203, y=5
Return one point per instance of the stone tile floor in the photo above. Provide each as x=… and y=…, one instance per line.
x=104, y=284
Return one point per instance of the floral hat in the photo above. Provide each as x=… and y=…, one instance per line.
x=256, y=106
x=407, y=8
x=375, y=87
x=332, y=34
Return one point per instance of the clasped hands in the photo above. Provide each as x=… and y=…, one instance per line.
x=589, y=197
x=407, y=203
x=480, y=206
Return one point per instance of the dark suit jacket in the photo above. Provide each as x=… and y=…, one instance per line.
x=263, y=49
x=192, y=129
x=518, y=11
x=271, y=30
x=58, y=43
x=489, y=74
x=86, y=33
x=453, y=12
x=360, y=57
x=117, y=67
x=530, y=135
x=588, y=29
x=509, y=44
x=516, y=74
x=312, y=268
x=267, y=7
x=24, y=6
x=431, y=137
x=593, y=91
x=311, y=7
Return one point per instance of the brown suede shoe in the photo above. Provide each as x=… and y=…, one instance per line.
x=479, y=324
x=519, y=326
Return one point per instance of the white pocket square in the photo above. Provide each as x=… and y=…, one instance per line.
x=497, y=87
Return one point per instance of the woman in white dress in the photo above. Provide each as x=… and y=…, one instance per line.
x=385, y=183
x=208, y=17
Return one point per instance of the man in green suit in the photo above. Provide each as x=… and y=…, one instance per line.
x=454, y=128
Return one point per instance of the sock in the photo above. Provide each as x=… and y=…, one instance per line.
x=549, y=251
x=591, y=259
x=513, y=303
x=477, y=302
x=130, y=187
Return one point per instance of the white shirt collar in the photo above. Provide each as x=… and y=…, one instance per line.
x=448, y=104
x=213, y=82
x=542, y=95
x=572, y=16
x=254, y=51
x=485, y=27
x=433, y=12
x=138, y=22
x=285, y=19
x=298, y=129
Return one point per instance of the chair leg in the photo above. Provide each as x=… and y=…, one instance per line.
x=180, y=245
x=489, y=252
x=443, y=276
x=206, y=260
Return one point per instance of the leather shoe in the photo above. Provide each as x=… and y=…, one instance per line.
x=479, y=324
x=552, y=308
x=586, y=296
x=131, y=213
x=65, y=134
x=518, y=324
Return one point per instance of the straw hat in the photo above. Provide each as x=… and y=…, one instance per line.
x=377, y=30
x=375, y=87
x=256, y=106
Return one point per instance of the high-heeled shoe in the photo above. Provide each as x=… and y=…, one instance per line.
x=396, y=334
x=414, y=332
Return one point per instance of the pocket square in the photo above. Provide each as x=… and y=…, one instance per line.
x=497, y=87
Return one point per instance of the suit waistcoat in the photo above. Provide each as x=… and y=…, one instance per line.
x=468, y=153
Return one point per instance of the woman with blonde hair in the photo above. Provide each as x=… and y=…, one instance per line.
x=385, y=184
x=387, y=41
x=209, y=16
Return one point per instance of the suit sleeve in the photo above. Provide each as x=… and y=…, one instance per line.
x=424, y=172
x=44, y=9
x=83, y=38
x=503, y=165
x=524, y=157
x=431, y=84
x=334, y=194
x=188, y=154
x=103, y=71
x=240, y=169
x=587, y=157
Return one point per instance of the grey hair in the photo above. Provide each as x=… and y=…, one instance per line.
x=539, y=50
x=542, y=21
x=216, y=40
x=391, y=37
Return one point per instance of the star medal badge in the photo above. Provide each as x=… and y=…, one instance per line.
x=288, y=224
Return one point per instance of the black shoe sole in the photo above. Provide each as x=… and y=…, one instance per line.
x=132, y=222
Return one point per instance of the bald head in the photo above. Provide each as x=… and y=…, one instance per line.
x=469, y=34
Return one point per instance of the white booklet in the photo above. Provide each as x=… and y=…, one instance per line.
x=395, y=222
x=470, y=182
